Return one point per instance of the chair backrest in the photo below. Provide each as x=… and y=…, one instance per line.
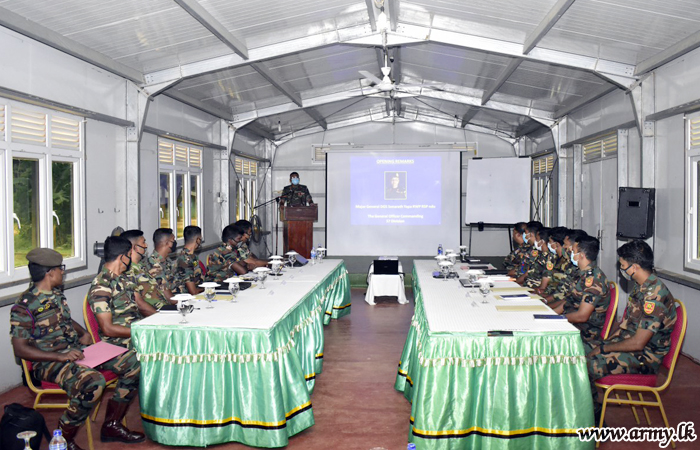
x=27, y=367
x=612, y=310
x=677, y=337
x=91, y=322
x=386, y=267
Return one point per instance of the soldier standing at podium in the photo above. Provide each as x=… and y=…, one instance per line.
x=295, y=194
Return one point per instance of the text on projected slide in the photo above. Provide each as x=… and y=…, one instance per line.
x=391, y=191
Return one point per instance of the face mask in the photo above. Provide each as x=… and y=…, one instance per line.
x=573, y=261
x=173, y=247
x=551, y=249
x=128, y=266
x=295, y=181
x=525, y=238
x=537, y=246
x=624, y=273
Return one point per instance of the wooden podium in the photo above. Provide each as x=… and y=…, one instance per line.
x=299, y=228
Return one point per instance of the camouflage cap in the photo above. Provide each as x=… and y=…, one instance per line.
x=46, y=257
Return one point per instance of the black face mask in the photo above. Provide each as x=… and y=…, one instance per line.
x=174, y=246
x=128, y=266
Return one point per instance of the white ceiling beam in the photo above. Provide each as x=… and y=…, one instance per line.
x=317, y=117
x=394, y=8
x=583, y=101
x=546, y=24
x=201, y=15
x=33, y=30
x=255, y=128
x=468, y=116
x=276, y=82
x=214, y=110
x=371, y=13
x=598, y=66
x=285, y=48
x=678, y=49
x=500, y=81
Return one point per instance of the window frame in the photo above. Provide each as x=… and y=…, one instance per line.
x=543, y=179
x=246, y=187
x=691, y=260
x=187, y=170
x=45, y=155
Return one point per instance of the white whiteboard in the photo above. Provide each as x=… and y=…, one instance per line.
x=498, y=190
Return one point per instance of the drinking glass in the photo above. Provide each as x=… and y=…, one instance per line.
x=185, y=308
x=485, y=289
x=234, y=288
x=292, y=259
x=26, y=435
x=276, y=268
x=209, y=296
x=471, y=277
x=445, y=269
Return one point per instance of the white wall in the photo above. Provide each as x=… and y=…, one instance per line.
x=42, y=71
x=296, y=156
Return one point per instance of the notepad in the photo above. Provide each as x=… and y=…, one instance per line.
x=99, y=353
x=522, y=296
x=522, y=308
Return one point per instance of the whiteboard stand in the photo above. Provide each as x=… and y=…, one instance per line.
x=492, y=225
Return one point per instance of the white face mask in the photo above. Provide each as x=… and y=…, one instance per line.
x=551, y=249
x=525, y=238
x=573, y=261
x=537, y=246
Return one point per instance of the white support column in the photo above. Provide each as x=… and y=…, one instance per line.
x=622, y=158
x=564, y=174
x=578, y=186
x=221, y=179
x=137, y=102
x=649, y=133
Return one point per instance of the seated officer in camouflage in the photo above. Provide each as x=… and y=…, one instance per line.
x=529, y=257
x=187, y=272
x=159, y=266
x=225, y=262
x=295, y=194
x=643, y=338
x=562, y=263
x=149, y=297
x=44, y=333
x=513, y=260
x=111, y=295
x=251, y=261
x=589, y=298
x=564, y=270
x=541, y=269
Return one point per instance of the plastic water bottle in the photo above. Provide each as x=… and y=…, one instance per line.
x=313, y=256
x=58, y=442
x=440, y=251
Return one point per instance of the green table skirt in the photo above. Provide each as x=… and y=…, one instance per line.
x=470, y=391
x=202, y=387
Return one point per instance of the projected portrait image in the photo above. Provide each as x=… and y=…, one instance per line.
x=395, y=185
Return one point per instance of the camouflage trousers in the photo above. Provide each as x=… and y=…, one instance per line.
x=611, y=363
x=532, y=282
x=85, y=386
x=589, y=333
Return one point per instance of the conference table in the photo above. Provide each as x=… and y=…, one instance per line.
x=490, y=375
x=241, y=371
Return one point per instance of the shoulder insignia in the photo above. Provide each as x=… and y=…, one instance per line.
x=550, y=265
x=535, y=253
x=649, y=307
x=589, y=281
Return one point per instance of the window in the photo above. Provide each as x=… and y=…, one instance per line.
x=692, y=181
x=542, y=190
x=180, y=178
x=247, y=181
x=602, y=148
x=41, y=188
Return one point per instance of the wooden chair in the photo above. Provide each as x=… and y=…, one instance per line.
x=647, y=383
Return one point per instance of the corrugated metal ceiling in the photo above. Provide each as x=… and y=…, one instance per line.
x=158, y=34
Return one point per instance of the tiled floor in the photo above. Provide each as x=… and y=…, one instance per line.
x=356, y=406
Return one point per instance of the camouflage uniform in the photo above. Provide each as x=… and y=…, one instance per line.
x=562, y=278
x=541, y=266
x=649, y=307
x=513, y=260
x=44, y=318
x=526, y=259
x=146, y=286
x=186, y=269
x=161, y=270
x=219, y=263
x=590, y=286
x=296, y=195
x=244, y=252
x=114, y=294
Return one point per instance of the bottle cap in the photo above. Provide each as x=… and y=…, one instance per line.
x=57, y=432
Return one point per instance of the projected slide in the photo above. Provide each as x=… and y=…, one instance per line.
x=392, y=190
x=392, y=202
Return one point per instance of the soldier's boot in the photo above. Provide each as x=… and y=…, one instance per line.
x=113, y=430
x=69, y=432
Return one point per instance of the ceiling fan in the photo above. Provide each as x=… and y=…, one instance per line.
x=388, y=89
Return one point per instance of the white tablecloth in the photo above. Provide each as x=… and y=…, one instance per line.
x=449, y=307
x=385, y=285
